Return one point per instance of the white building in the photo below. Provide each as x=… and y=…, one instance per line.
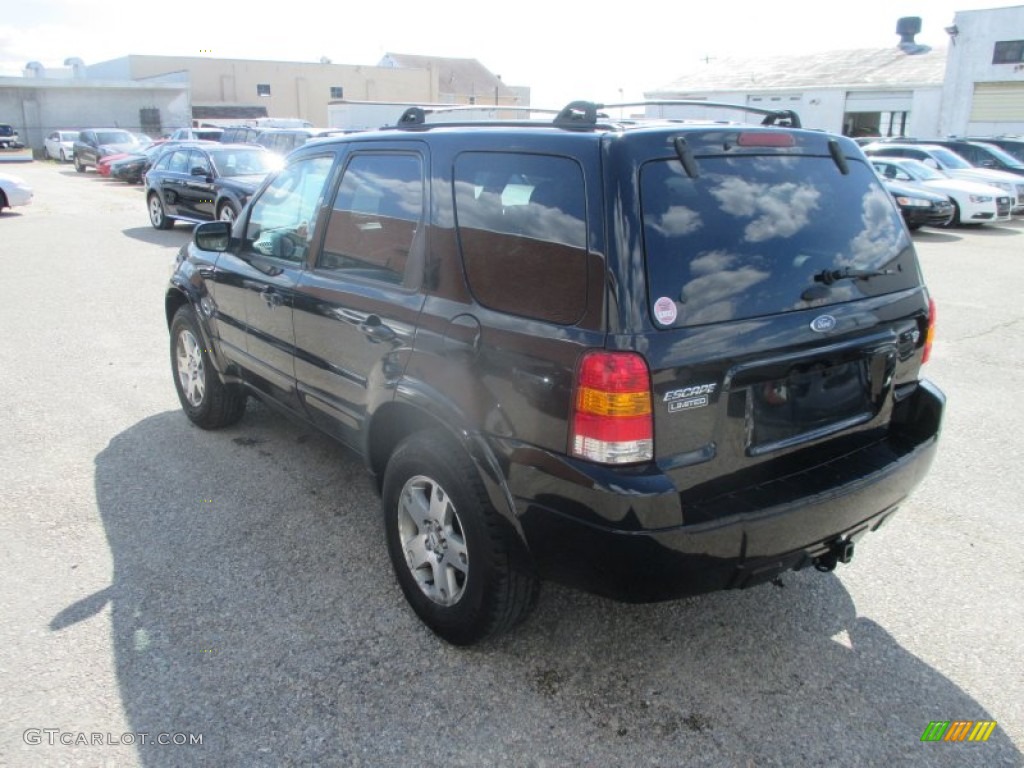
x=894, y=91
x=983, y=90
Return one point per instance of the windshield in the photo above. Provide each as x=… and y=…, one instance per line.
x=921, y=172
x=1002, y=155
x=115, y=137
x=244, y=161
x=748, y=235
x=69, y=135
x=950, y=159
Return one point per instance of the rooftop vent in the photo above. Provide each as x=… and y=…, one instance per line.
x=907, y=28
x=34, y=69
x=77, y=66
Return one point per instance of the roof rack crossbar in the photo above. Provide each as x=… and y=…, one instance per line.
x=583, y=111
x=416, y=116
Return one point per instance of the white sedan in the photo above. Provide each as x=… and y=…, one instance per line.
x=59, y=145
x=13, y=191
x=973, y=203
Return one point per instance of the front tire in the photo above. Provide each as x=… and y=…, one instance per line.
x=459, y=563
x=78, y=164
x=63, y=156
x=207, y=401
x=157, y=215
x=955, y=221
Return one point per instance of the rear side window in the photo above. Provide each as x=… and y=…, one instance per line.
x=522, y=229
x=758, y=235
x=376, y=217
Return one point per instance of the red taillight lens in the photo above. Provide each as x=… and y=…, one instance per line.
x=929, y=335
x=611, y=421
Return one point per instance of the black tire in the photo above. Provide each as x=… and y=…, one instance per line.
x=955, y=221
x=207, y=401
x=78, y=164
x=63, y=156
x=226, y=212
x=3, y=201
x=498, y=586
x=157, y=215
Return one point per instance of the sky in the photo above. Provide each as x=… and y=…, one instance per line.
x=563, y=51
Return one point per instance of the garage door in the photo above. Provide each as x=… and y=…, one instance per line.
x=997, y=103
x=879, y=101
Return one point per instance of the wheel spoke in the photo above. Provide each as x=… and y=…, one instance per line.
x=416, y=554
x=416, y=506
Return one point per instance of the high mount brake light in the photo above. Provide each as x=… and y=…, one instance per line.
x=765, y=139
x=611, y=420
x=929, y=334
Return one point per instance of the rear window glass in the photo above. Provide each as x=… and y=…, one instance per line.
x=522, y=228
x=754, y=235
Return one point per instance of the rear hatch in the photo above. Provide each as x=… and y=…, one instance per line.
x=785, y=315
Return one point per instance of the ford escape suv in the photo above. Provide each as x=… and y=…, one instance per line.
x=645, y=358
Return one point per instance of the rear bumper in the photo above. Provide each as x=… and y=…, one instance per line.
x=572, y=544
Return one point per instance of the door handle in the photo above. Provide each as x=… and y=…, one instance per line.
x=272, y=297
x=375, y=330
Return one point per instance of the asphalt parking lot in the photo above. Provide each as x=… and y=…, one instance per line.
x=162, y=583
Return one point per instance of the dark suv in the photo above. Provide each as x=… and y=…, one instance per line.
x=650, y=359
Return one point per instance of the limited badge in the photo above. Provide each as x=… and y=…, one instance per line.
x=665, y=311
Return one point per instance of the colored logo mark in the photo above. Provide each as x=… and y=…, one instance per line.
x=958, y=730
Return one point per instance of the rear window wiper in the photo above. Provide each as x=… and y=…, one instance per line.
x=829, y=276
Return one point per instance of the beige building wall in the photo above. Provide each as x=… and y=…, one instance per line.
x=297, y=89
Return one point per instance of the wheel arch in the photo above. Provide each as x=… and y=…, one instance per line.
x=419, y=408
x=179, y=296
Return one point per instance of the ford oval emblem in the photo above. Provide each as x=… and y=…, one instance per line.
x=823, y=324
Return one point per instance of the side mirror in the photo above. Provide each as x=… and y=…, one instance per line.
x=213, y=236
x=198, y=171
x=933, y=164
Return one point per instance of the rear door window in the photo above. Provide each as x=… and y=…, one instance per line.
x=377, y=217
x=762, y=235
x=523, y=233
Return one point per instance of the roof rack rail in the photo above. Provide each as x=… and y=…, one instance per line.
x=415, y=117
x=582, y=115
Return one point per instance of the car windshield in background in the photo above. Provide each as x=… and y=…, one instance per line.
x=950, y=159
x=1002, y=155
x=116, y=137
x=244, y=162
x=69, y=135
x=758, y=235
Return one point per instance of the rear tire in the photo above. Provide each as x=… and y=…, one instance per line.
x=207, y=401
x=459, y=563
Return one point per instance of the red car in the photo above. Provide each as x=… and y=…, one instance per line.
x=103, y=164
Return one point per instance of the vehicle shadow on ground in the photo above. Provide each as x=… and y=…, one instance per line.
x=176, y=236
x=252, y=602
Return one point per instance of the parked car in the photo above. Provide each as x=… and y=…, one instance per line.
x=14, y=190
x=944, y=159
x=8, y=137
x=197, y=134
x=982, y=154
x=94, y=143
x=239, y=134
x=60, y=145
x=704, y=380
x=284, y=140
x=973, y=203
x=200, y=183
x=920, y=207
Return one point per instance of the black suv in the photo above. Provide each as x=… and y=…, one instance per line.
x=201, y=181
x=650, y=359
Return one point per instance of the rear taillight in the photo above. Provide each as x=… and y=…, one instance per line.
x=611, y=420
x=929, y=334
